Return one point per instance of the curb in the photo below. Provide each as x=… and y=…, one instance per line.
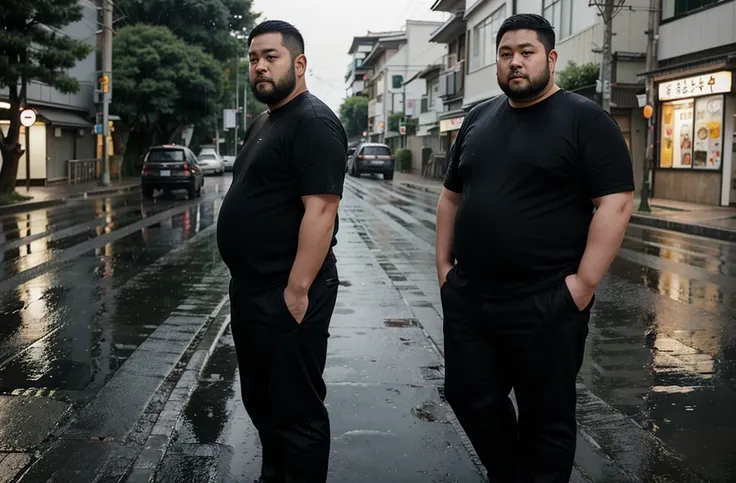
x=155, y=448
x=723, y=234
x=687, y=228
x=37, y=205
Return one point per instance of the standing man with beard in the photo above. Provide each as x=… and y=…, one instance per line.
x=535, y=204
x=276, y=229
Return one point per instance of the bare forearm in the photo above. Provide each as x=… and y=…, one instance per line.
x=605, y=235
x=446, y=212
x=315, y=237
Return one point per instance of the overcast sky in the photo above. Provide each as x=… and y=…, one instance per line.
x=328, y=27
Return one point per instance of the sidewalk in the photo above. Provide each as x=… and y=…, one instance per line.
x=693, y=219
x=59, y=194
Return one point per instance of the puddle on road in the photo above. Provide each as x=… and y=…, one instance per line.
x=431, y=412
x=399, y=323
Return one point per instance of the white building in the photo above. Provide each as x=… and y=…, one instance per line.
x=357, y=73
x=395, y=61
x=696, y=103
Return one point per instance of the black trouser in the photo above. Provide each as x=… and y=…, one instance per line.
x=533, y=344
x=281, y=364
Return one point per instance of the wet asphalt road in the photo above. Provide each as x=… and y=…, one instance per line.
x=100, y=301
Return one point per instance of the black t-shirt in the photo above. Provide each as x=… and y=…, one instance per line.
x=296, y=150
x=527, y=178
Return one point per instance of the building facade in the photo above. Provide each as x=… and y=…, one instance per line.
x=395, y=62
x=64, y=128
x=452, y=77
x=695, y=103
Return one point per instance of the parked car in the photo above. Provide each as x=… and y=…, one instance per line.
x=211, y=162
x=229, y=162
x=171, y=167
x=351, y=151
x=372, y=158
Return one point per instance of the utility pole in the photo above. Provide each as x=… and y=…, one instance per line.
x=607, y=13
x=653, y=37
x=106, y=88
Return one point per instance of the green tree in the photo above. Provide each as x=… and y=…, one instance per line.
x=31, y=49
x=575, y=76
x=354, y=115
x=161, y=85
x=394, y=121
x=207, y=23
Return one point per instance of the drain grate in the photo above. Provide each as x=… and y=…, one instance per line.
x=398, y=323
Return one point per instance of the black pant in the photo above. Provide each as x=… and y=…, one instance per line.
x=281, y=364
x=533, y=344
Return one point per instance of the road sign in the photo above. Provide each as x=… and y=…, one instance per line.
x=28, y=117
x=402, y=130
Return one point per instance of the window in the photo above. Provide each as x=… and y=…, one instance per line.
x=483, y=41
x=376, y=151
x=691, y=133
x=165, y=155
x=673, y=8
x=559, y=14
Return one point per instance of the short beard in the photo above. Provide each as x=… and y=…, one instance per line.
x=529, y=91
x=281, y=89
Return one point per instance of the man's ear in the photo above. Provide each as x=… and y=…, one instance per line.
x=300, y=65
x=552, y=59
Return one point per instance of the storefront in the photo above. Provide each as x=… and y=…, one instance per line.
x=695, y=139
x=449, y=129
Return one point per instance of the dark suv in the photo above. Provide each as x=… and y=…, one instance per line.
x=171, y=167
x=372, y=158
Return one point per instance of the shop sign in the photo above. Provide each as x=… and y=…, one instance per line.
x=701, y=85
x=451, y=124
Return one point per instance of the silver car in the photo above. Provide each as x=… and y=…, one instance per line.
x=229, y=162
x=211, y=163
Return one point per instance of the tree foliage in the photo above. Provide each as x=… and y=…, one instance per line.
x=354, y=115
x=162, y=84
x=207, y=23
x=33, y=49
x=575, y=76
x=394, y=121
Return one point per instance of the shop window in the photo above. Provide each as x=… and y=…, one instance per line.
x=691, y=133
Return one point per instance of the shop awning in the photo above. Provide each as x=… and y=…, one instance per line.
x=58, y=117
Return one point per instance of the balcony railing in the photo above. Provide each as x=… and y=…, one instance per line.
x=452, y=81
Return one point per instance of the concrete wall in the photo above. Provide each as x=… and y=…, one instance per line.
x=712, y=27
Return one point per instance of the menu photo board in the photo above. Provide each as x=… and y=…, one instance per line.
x=708, y=132
x=676, y=144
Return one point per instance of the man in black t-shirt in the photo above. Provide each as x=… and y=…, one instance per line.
x=535, y=204
x=275, y=232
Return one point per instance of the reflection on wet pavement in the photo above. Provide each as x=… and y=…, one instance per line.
x=68, y=329
x=662, y=346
